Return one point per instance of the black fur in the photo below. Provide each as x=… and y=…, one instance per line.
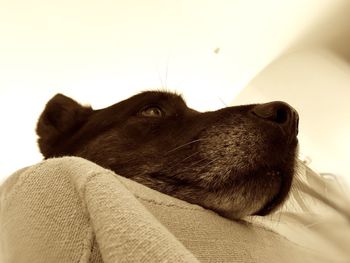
x=237, y=161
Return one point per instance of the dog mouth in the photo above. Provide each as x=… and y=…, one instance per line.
x=278, y=193
x=257, y=193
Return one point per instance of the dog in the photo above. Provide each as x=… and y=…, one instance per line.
x=236, y=161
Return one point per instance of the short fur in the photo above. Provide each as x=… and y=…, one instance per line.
x=236, y=161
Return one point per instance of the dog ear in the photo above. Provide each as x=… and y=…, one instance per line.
x=61, y=117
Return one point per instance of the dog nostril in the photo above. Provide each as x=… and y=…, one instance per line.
x=277, y=111
x=281, y=116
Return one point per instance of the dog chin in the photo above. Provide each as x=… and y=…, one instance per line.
x=247, y=199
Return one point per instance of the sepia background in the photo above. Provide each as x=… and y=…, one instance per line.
x=216, y=53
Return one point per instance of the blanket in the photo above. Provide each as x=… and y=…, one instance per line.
x=72, y=210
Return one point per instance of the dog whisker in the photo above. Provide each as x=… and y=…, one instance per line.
x=188, y=157
x=183, y=145
x=223, y=102
x=177, y=162
x=189, y=167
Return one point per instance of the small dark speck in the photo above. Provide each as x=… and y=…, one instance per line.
x=217, y=50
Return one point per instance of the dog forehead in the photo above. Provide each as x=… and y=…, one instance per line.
x=164, y=98
x=160, y=96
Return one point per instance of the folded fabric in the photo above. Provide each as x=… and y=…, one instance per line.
x=72, y=210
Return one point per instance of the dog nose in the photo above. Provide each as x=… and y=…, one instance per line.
x=280, y=113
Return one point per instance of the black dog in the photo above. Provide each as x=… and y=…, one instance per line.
x=237, y=161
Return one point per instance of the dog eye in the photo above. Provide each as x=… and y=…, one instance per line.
x=152, y=111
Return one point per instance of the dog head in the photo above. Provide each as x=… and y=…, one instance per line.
x=236, y=161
